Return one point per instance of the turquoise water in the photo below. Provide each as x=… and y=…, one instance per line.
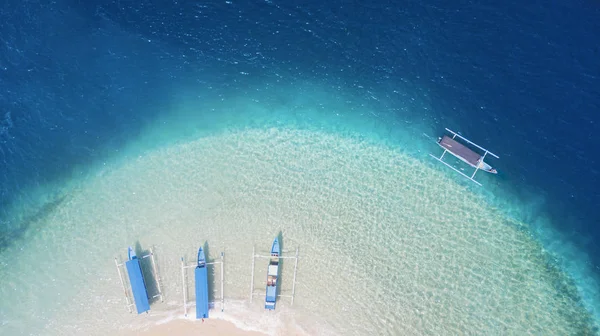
x=390, y=242
x=129, y=124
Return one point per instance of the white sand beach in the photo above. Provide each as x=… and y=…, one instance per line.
x=210, y=327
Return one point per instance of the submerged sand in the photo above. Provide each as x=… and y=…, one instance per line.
x=388, y=244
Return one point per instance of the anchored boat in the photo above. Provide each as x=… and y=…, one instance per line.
x=465, y=154
x=272, y=275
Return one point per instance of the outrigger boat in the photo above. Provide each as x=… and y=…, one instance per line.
x=273, y=288
x=272, y=275
x=201, y=286
x=465, y=154
x=133, y=266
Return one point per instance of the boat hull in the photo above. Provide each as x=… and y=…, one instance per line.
x=273, y=276
x=201, y=286
x=486, y=168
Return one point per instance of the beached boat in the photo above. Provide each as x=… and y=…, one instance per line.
x=136, y=280
x=465, y=154
x=200, y=267
x=272, y=275
x=201, y=286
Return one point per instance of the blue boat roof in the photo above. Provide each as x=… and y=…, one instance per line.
x=271, y=294
x=138, y=286
x=201, y=292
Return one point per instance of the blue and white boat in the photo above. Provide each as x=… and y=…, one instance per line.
x=136, y=279
x=201, y=286
x=273, y=275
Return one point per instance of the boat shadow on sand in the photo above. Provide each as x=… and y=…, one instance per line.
x=148, y=273
x=210, y=275
x=280, y=277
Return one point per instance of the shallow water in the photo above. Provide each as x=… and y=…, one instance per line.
x=168, y=126
x=387, y=244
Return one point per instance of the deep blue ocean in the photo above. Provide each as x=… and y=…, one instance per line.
x=79, y=79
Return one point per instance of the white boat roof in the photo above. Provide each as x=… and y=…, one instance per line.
x=272, y=270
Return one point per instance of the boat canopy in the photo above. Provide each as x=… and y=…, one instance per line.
x=460, y=150
x=201, y=278
x=271, y=294
x=137, y=281
x=138, y=286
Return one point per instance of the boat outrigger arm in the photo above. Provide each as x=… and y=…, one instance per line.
x=465, y=154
